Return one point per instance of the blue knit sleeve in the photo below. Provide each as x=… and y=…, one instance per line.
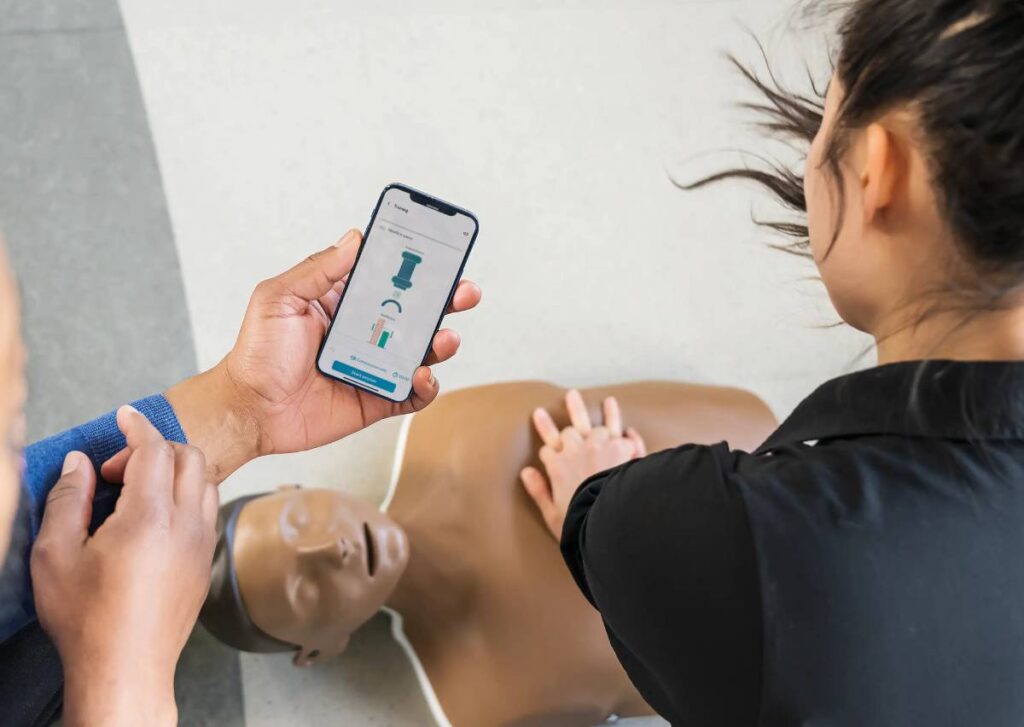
x=99, y=439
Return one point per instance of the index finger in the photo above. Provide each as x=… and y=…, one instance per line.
x=316, y=276
x=137, y=429
x=149, y=482
x=613, y=416
x=578, y=414
x=545, y=425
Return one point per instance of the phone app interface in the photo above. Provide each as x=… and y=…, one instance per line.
x=411, y=257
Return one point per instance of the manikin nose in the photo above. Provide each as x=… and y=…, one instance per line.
x=348, y=551
x=338, y=553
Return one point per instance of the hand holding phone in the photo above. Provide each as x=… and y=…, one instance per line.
x=415, y=249
x=267, y=395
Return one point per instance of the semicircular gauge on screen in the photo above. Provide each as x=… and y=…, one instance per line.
x=392, y=301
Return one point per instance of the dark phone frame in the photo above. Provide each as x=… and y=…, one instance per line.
x=426, y=200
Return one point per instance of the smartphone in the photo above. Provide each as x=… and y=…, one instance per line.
x=405, y=274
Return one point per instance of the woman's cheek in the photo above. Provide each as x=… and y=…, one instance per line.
x=813, y=200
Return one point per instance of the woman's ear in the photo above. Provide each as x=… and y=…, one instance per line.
x=882, y=170
x=307, y=656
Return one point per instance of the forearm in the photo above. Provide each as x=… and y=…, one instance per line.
x=215, y=421
x=672, y=532
x=118, y=693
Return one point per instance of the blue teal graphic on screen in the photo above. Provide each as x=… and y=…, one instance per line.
x=403, y=281
x=397, y=292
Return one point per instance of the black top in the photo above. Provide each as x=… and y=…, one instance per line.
x=862, y=567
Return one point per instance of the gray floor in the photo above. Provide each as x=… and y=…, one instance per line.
x=371, y=683
x=83, y=210
x=82, y=207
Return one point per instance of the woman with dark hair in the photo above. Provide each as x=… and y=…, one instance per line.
x=862, y=567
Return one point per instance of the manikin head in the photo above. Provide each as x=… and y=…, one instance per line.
x=300, y=570
x=12, y=399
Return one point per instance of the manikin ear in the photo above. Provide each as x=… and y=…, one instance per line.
x=306, y=656
x=881, y=172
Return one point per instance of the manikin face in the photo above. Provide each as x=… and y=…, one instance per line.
x=314, y=565
x=12, y=399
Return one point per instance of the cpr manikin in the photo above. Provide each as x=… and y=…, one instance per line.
x=496, y=628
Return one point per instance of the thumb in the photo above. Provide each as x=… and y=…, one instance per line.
x=113, y=469
x=69, y=504
x=537, y=487
x=316, y=276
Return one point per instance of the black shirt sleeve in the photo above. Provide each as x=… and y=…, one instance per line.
x=662, y=547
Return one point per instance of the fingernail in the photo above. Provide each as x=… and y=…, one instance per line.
x=433, y=379
x=71, y=463
x=131, y=408
x=349, y=237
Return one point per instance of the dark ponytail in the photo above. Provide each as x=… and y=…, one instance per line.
x=959, y=66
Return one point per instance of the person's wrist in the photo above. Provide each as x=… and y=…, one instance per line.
x=217, y=419
x=115, y=693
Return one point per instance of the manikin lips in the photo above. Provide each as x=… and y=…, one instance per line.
x=371, y=549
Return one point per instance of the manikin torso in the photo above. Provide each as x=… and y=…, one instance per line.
x=500, y=629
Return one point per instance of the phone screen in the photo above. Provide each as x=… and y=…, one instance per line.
x=412, y=257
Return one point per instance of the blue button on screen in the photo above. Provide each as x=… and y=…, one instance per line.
x=364, y=377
